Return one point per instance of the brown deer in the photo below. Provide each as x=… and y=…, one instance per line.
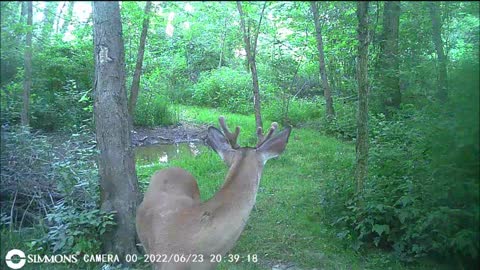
x=180, y=232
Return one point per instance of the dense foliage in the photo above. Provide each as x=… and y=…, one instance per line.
x=421, y=197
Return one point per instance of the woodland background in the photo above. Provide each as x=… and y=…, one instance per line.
x=417, y=205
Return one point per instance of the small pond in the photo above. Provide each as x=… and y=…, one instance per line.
x=163, y=153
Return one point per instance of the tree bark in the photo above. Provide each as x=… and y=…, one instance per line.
x=330, y=112
x=118, y=179
x=361, y=146
x=27, y=64
x=389, y=58
x=438, y=42
x=138, y=67
x=251, y=54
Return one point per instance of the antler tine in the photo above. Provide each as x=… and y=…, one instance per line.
x=231, y=137
x=261, y=137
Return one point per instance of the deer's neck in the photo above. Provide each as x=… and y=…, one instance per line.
x=237, y=196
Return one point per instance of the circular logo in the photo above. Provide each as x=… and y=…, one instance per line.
x=20, y=261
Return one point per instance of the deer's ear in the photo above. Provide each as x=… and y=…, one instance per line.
x=219, y=144
x=274, y=146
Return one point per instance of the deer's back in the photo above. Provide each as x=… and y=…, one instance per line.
x=170, y=191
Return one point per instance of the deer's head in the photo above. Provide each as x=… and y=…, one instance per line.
x=268, y=146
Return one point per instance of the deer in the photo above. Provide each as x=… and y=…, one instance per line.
x=180, y=232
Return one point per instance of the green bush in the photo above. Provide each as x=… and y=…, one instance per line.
x=299, y=110
x=344, y=124
x=153, y=111
x=11, y=102
x=224, y=87
x=72, y=230
x=60, y=94
x=61, y=109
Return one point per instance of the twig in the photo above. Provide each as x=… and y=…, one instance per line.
x=11, y=211
x=51, y=198
x=25, y=212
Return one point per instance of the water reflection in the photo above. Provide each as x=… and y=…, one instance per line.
x=163, y=158
x=193, y=149
x=163, y=153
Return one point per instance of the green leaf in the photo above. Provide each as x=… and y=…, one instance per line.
x=380, y=229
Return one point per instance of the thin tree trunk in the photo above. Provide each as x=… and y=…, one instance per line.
x=438, y=42
x=251, y=53
x=330, y=112
x=27, y=79
x=118, y=179
x=138, y=67
x=361, y=170
x=389, y=58
x=256, y=95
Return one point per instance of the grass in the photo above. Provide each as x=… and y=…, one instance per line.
x=288, y=224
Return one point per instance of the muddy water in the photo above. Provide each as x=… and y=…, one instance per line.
x=163, y=153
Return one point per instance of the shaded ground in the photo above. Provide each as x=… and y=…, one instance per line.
x=180, y=133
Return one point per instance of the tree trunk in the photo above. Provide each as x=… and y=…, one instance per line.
x=138, y=67
x=118, y=180
x=389, y=58
x=330, y=112
x=438, y=42
x=251, y=52
x=27, y=63
x=361, y=147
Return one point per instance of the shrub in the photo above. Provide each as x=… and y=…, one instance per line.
x=45, y=179
x=299, y=110
x=344, y=124
x=62, y=75
x=25, y=162
x=11, y=102
x=50, y=110
x=153, y=111
x=61, y=109
x=226, y=88
x=73, y=230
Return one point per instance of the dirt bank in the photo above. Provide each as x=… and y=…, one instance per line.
x=183, y=132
